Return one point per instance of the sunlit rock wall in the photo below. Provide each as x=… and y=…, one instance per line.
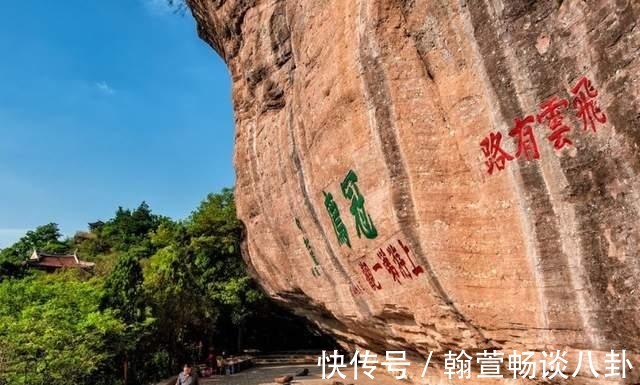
x=441, y=175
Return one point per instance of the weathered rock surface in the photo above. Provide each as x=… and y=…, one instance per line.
x=540, y=254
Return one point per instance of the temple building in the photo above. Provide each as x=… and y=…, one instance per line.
x=54, y=262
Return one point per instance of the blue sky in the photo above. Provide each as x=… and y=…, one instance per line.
x=104, y=104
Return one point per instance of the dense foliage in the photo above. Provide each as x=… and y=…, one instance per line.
x=163, y=292
x=52, y=331
x=44, y=238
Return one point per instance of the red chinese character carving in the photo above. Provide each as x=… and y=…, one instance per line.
x=402, y=264
x=586, y=104
x=496, y=156
x=417, y=269
x=356, y=289
x=551, y=112
x=375, y=285
x=526, y=141
x=389, y=266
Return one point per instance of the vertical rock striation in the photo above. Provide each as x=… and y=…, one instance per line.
x=406, y=184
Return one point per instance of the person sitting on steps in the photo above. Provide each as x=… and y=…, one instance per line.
x=186, y=377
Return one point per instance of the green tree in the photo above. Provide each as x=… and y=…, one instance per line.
x=46, y=238
x=123, y=294
x=52, y=331
x=196, y=280
x=178, y=302
x=219, y=270
x=127, y=229
x=123, y=289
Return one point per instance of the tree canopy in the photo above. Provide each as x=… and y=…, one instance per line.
x=163, y=293
x=52, y=331
x=45, y=238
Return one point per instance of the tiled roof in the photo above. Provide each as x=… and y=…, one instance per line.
x=55, y=261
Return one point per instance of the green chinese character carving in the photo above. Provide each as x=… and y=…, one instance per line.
x=364, y=224
x=334, y=213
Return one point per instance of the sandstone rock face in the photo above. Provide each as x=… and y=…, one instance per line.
x=441, y=175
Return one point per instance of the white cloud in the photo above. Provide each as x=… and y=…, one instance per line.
x=104, y=87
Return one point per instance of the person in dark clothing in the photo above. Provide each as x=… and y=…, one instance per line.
x=187, y=377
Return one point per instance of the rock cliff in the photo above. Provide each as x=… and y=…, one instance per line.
x=430, y=175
